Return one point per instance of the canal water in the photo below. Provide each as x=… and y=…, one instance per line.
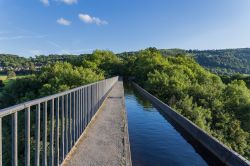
x=153, y=139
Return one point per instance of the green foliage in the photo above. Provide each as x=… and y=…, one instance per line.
x=11, y=74
x=246, y=78
x=237, y=101
x=19, y=90
x=199, y=115
x=53, y=78
x=1, y=84
x=221, y=62
x=103, y=61
x=147, y=61
x=221, y=110
x=62, y=76
x=224, y=62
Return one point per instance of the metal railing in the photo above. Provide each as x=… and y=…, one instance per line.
x=69, y=114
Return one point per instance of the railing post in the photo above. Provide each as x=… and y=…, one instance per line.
x=62, y=129
x=45, y=134
x=66, y=125
x=70, y=121
x=37, y=130
x=27, y=136
x=57, y=131
x=52, y=133
x=76, y=113
x=81, y=112
x=80, y=118
x=73, y=118
x=1, y=152
x=89, y=103
x=91, y=106
x=85, y=107
x=14, y=139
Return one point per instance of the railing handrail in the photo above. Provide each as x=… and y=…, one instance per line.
x=18, y=107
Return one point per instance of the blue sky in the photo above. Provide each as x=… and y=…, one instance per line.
x=30, y=27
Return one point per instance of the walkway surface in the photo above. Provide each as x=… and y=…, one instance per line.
x=105, y=141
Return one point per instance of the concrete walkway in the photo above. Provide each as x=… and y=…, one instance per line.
x=105, y=141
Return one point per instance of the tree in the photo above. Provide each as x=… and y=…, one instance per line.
x=1, y=84
x=11, y=74
x=221, y=110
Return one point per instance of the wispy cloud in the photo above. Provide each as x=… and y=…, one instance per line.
x=20, y=37
x=91, y=20
x=35, y=52
x=55, y=45
x=63, y=21
x=69, y=2
x=45, y=2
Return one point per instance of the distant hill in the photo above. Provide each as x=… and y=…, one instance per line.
x=227, y=61
x=24, y=65
x=222, y=62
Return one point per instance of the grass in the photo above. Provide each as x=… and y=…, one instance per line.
x=3, y=77
x=6, y=81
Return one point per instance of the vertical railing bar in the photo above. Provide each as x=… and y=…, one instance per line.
x=80, y=130
x=92, y=100
x=83, y=109
x=52, y=133
x=98, y=95
x=95, y=98
x=73, y=118
x=96, y=102
x=57, y=131
x=90, y=103
x=86, y=107
x=27, y=136
x=14, y=139
x=76, y=113
x=45, y=134
x=1, y=152
x=80, y=107
x=79, y=113
x=70, y=121
x=66, y=125
x=62, y=129
x=37, y=130
x=88, y=100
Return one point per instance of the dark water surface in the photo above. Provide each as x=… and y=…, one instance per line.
x=153, y=140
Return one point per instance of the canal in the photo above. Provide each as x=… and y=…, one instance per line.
x=154, y=141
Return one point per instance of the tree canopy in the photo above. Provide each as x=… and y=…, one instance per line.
x=218, y=105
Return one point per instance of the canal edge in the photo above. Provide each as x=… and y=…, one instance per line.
x=221, y=151
x=127, y=151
